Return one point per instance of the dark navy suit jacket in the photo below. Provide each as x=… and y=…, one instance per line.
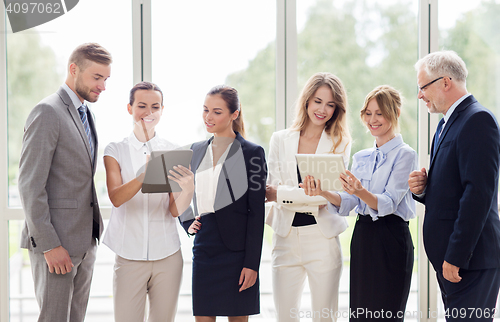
x=461, y=224
x=239, y=200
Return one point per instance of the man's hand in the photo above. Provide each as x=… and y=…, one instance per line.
x=450, y=272
x=248, y=277
x=417, y=181
x=58, y=260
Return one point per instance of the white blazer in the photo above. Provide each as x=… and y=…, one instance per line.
x=282, y=168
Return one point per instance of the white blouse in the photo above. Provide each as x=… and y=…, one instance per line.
x=208, y=177
x=142, y=228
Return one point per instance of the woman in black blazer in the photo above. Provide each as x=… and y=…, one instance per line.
x=230, y=184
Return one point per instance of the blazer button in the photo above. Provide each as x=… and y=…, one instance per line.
x=33, y=242
x=91, y=204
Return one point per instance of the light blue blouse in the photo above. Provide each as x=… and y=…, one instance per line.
x=384, y=172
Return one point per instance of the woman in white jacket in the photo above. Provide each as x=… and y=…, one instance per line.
x=305, y=239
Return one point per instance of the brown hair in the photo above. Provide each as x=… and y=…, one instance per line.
x=147, y=86
x=389, y=103
x=90, y=52
x=230, y=96
x=336, y=126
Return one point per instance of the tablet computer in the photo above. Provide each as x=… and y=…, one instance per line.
x=160, y=163
x=325, y=167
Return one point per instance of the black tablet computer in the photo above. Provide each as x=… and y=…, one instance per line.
x=161, y=162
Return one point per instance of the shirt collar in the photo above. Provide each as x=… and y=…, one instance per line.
x=454, y=106
x=390, y=145
x=133, y=141
x=72, y=95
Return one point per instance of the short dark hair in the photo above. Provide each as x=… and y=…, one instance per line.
x=147, y=86
x=90, y=52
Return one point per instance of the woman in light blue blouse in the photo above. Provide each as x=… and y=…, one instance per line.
x=381, y=245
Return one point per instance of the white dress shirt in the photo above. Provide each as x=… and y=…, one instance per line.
x=142, y=228
x=209, y=175
x=72, y=95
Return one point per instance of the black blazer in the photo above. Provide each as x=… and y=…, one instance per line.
x=461, y=224
x=239, y=200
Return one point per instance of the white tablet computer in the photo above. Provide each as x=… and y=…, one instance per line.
x=160, y=163
x=325, y=167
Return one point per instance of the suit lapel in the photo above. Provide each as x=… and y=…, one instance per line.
x=76, y=119
x=454, y=116
x=223, y=182
x=199, y=151
x=291, y=146
x=90, y=117
x=231, y=155
x=324, y=144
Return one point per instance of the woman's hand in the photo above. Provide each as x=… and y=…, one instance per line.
x=183, y=176
x=195, y=226
x=271, y=193
x=248, y=277
x=311, y=187
x=350, y=183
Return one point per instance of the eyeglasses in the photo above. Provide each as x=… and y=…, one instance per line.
x=428, y=84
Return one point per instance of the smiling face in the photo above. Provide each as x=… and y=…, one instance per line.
x=90, y=82
x=146, y=108
x=320, y=107
x=378, y=125
x=217, y=116
x=431, y=94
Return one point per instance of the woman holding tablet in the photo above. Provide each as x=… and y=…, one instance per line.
x=381, y=246
x=305, y=240
x=230, y=176
x=142, y=229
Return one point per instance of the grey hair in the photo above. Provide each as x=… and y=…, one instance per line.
x=443, y=63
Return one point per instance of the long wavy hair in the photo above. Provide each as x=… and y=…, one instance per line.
x=336, y=126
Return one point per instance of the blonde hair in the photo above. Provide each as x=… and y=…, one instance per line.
x=389, y=103
x=336, y=126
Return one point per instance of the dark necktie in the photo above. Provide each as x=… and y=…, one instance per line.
x=437, y=135
x=83, y=116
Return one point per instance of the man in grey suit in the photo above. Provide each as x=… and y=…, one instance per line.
x=56, y=184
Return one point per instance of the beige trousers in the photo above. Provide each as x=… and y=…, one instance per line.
x=160, y=280
x=306, y=252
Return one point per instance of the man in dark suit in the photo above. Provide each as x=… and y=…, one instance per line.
x=461, y=225
x=56, y=184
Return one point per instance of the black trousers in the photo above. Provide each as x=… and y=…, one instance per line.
x=473, y=298
x=381, y=268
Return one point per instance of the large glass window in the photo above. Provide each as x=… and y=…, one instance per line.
x=366, y=44
x=218, y=42
x=36, y=67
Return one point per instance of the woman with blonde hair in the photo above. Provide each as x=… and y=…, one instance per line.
x=305, y=240
x=381, y=245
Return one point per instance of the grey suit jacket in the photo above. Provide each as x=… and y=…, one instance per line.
x=56, y=178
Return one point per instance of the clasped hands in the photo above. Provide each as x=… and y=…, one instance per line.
x=417, y=181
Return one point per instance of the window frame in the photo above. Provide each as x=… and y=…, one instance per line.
x=286, y=93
